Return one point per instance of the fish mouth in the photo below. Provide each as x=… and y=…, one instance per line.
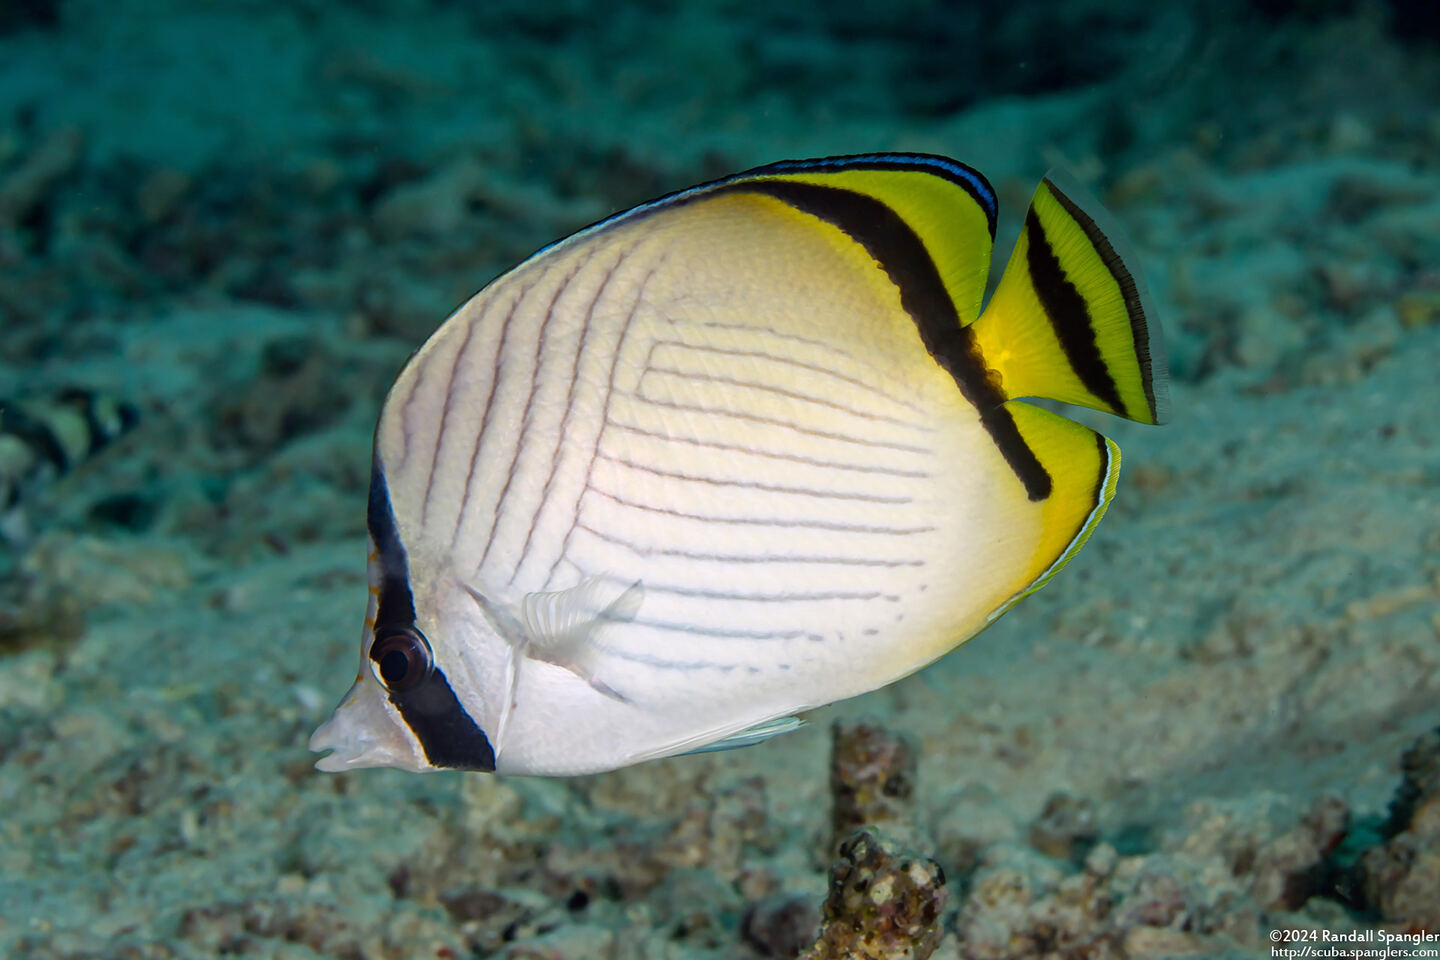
x=364, y=731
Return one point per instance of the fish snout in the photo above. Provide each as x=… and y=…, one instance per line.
x=366, y=731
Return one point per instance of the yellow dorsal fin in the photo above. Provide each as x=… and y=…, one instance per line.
x=949, y=207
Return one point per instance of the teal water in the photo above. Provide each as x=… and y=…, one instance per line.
x=239, y=219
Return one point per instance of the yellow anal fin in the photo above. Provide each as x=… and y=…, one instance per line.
x=1070, y=320
x=1084, y=466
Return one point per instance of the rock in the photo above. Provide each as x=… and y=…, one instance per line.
x=1019, y=905
x=299, y=388
x=872, y=777
x=1164, y=896
x=1350, y=134
x=781, y=926
x=1292, y=868
x=160, y=194
x=1418, y=309
x=55, y=156
x=968, y=823
x=1416, y=806
x=1399, y=878
x=1066, y=829
x=885, y=903
x=62, y=577
x=1162, y=942
x=432, y=207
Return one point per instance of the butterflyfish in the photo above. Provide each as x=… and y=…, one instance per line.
x=46, y=434
x=732, y=455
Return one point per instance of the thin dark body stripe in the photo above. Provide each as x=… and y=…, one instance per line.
x=569, y=409
x=407, y=430
x=444, y=419
x=1139, y=324
x=783, y=392
x=903, y=257
x=496, y=373
x=775, y=558
x=776, y=334
x=604, y=413
x=789, y=361
x=770, y=454
x=524, y=431
x=663, y=664
x=756, y=418
x=754, y=485
x=817, y=597
x=763, y=521
x=448, y=734
x=728, y=632
x=1069, y=316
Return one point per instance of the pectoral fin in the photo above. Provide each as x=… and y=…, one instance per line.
x=560, y=626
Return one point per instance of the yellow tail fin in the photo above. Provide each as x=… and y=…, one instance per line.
x=1070, y=320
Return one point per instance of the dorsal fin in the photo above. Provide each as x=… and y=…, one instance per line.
x=950, y=207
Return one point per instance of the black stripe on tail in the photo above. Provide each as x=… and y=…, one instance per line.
x=447, y=733
x=1069, y=316
x=1129, y=289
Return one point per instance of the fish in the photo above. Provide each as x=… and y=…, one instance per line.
x=45, y=436
x=731, y=455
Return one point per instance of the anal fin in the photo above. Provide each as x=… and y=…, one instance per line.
x=1085, y=466
x=751, y=735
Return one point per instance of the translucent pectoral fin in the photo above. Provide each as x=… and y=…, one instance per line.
x=561, y=625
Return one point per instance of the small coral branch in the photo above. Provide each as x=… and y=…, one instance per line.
x=886, y=899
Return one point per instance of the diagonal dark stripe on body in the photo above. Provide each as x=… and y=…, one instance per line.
x=526, y=418
x=495, y=374
x=903, y=257
x=562, y=432
x=444, y=421
x=448, y=734
x=604, y=415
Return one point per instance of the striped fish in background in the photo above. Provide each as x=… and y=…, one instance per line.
x=733, y=454
x=43, y=437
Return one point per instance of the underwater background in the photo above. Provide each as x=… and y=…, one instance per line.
x=225, y=224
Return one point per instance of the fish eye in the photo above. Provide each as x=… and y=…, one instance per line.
x=400, y=658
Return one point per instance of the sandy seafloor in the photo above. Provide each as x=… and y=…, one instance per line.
x=242, y=216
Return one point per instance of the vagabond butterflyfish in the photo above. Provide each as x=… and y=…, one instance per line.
x=731, y=455
x=45, y=435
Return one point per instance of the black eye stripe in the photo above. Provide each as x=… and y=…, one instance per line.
x=447, y=733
